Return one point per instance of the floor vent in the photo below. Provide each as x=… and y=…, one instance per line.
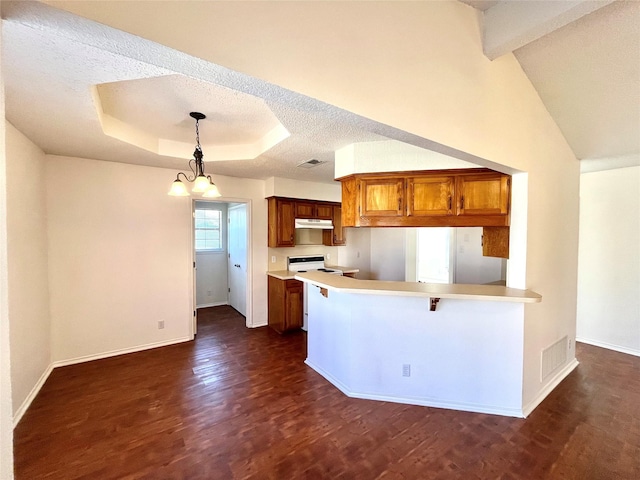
x=553, y=357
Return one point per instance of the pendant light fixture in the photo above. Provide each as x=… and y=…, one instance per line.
x=201, y=183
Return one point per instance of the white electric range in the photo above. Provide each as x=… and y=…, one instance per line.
x=308, y=263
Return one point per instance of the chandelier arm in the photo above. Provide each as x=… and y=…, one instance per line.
x=184, y=175
x=193, y=163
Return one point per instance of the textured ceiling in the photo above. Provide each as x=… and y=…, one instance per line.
x=586, y=73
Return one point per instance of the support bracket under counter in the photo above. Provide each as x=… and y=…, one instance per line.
x=434, y=302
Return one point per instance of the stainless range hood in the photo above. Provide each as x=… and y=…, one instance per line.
x=312, y=223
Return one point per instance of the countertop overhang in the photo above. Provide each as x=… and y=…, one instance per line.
x=290, y=274
x=493, y=293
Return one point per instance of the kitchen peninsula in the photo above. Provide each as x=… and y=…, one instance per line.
x=392, y=341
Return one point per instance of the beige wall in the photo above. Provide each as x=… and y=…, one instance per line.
x=609, y=260
x=6, y=410
x=28, y=272
x=428, y=77
x=120, y=256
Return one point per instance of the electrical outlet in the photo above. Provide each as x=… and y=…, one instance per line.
x=209, y=293
x=357, y=254
x=328, y=256
x=406, y=370
x=160, y=324
x=273, y=259
x=570, y=344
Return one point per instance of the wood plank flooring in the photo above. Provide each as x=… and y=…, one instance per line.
x=240, y=404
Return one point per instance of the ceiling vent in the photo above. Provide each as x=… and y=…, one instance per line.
x=310, y=163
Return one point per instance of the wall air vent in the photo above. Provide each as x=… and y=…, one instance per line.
x=553, y=357
x=310, y=163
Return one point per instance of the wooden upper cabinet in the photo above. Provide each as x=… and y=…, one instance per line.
x=335, y=237
x=381, y=197
x=476, y=197
x=281, y=222
x=305, y=210
x=324, y=211
x=483, y=194
x=428, y=196
x=314, y=210
x=282, y=213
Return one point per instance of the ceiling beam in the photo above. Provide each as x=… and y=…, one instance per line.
x=511, y=25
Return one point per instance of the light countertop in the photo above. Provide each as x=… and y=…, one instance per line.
x=289, y=275
x=494, y=293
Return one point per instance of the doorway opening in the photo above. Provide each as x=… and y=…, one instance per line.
x=221, y=261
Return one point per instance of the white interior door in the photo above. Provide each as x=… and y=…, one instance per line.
x=238, y=257
x=433, y=255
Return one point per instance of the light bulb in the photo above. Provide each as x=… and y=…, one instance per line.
x=201, y=184
x=212, y=191
x=178, y=189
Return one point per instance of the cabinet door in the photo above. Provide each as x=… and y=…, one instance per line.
x=293, y=305
x=324, y=211
x=276, y=304
x=281, y=223
x=335, y=237
x=483, y=194
x=430, y=196
x=381, y=197
x=305, y=210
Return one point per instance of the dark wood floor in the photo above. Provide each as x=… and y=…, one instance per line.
x=240, y=403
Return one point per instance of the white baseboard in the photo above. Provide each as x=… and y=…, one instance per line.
x=609, y=346
x=214, y=304
x=72, y=361
x=123, y=351
x=561, y=375
x=423, y=402
x=32, y=394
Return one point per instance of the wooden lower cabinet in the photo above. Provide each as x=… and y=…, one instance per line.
x=285, y=304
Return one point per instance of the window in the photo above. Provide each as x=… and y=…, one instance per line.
x=208, y=230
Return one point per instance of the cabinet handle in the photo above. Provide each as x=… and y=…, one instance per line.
x=399, y=204
x=462, y=203
x=449, y=202
x=292, y=238
x=335, y=238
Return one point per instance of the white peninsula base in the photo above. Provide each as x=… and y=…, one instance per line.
x=466, y=355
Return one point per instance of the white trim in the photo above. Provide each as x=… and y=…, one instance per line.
x=115, y=353
x=610, y=346
x=214, y=304
x=561, y=375
x=263, y=324
x=63, y=363
x=17, y=416
x=424, y=402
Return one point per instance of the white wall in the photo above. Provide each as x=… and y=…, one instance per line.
x=388, y=248
x=119, y=258
x=286, y=187
x=28, y=273
x=470, y=265
x=6, y=410
x=357, y=252
x=211, y=267
x=609, y=260
x=428, y=79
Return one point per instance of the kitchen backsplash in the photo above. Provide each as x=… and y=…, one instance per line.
x=280, y=255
